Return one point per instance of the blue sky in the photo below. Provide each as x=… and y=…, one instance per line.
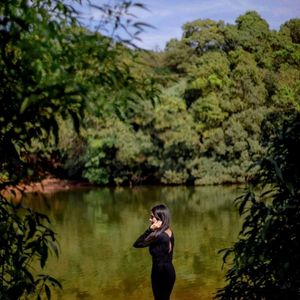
x=168, y=16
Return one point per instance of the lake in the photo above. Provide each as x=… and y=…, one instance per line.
x=97, y=227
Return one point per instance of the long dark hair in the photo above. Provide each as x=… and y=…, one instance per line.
x=162, y=213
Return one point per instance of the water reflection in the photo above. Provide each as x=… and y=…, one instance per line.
x=97, y=227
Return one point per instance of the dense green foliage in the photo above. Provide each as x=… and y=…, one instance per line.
x=26, y=240
x=191, y=114
x=32, y=83
x=266, y=257
x=52, y=69
x=33, y=70
x=217, y=85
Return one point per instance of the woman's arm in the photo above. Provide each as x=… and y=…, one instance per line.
x=140, y=242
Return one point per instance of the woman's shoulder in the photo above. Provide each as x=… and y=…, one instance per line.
x=169, y=232
x=166, y=235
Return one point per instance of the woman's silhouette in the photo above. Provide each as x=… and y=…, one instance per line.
x=160, y=240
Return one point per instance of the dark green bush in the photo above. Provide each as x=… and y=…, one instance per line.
x=266, y=258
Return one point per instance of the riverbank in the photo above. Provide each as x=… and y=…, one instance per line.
x=50, y=185
x=45, y=186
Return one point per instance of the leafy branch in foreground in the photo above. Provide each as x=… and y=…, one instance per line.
x=46, y=76
x=25, y=241
x=266, y=257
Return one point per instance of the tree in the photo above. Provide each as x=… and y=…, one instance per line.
x=266, y=257
x=204, y=35
x=46, y=76
x=177, y=55
x=291, y=28
x=32, y=66
x=48, y=64
x=253, y=30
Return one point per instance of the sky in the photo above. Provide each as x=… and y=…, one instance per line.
x=168, y=16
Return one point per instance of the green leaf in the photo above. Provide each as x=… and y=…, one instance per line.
x=32, y=227
x=24, y=104
x=48, y=292
x=55, y=282
x=54, y=248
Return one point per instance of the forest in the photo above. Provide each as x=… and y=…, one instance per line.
x=197, y=113
x=207, y=105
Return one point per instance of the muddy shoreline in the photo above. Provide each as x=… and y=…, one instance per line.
x=45, y=186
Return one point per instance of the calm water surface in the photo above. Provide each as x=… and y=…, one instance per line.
x=97, y=227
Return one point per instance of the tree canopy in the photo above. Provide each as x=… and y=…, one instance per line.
x=215, y=87
x=197, y=104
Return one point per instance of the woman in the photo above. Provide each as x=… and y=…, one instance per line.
x=160, y=240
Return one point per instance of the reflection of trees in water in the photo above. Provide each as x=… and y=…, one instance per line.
x=195, y=200
x=97, y=228
x=110, y=203
x=204, y=221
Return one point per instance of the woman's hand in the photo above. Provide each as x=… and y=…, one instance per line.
x=156, y=225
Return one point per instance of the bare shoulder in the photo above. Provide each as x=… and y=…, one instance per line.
x=169, y=232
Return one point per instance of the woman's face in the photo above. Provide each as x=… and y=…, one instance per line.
x=152, y=218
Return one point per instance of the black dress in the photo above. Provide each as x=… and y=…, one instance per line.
x=163, y=272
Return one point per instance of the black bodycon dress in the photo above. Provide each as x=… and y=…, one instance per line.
x=163, y=272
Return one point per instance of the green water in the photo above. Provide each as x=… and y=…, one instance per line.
x=96, y=229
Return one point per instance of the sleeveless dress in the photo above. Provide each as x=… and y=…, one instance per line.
x=163, y=273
